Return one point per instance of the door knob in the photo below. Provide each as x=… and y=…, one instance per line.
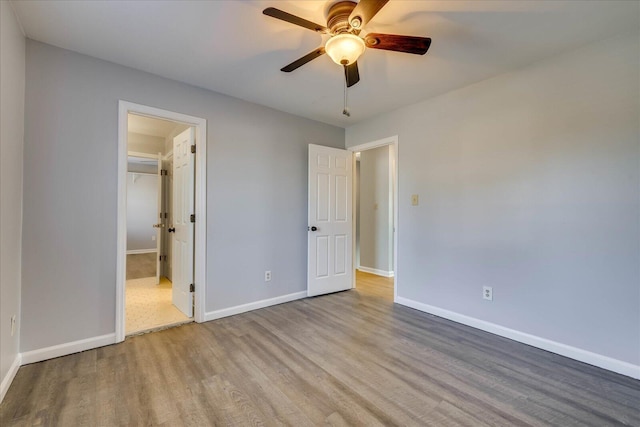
x=314, y=228
x=171, y=230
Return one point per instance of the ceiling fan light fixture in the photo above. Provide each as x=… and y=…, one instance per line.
x=344, y=49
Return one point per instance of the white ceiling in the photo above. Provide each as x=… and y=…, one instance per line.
x=232, y=48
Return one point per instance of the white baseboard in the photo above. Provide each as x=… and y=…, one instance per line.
x=41, y=354
x=585, y=356
x=217, y=314
x=376, y=271
x=141, y=251
x=8, y=379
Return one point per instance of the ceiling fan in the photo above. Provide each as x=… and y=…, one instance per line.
x=345, y=21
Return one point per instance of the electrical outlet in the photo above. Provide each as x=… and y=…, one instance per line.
x=267, y=276
x=487, y=293
x=414, y=200
x=13, y=324
x=153, y=237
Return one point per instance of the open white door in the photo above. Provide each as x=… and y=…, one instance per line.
x=183, y=227
x=167, y=189
x=330, y=221
x=159, y=224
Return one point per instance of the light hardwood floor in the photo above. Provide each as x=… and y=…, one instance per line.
x=373, y=285
x=350, y=358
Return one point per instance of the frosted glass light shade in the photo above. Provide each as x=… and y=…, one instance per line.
x=344, y=49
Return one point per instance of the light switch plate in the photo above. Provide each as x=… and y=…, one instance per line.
x=414, y=200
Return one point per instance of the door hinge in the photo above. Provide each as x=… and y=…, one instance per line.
x=193, y=218
x=159, y=257
x=165, y=215
x=164, y=172
x=192, y=287
x=193, y=148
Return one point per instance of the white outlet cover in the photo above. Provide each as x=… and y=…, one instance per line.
x=487, y=293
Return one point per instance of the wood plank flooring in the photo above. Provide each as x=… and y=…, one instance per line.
x=351, y=358
x=376, y=286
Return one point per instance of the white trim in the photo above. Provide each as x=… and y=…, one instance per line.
x=142, y=173
x=391, y=140
x=11, y=374
x=141, y=154
x=141, y=251
x=238, y=309
x=200, y=258
x=375, y=271
x=575, y=353
x=375, y=144
x=46, y=353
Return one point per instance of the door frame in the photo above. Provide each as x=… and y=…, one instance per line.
x=391, y=140
x=200, y=247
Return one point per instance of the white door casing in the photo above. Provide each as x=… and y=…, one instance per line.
x=183, y=208
x=330, y=232
x=200, y=251
x=392, y=141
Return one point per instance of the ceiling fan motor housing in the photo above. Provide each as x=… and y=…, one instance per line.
x=338, y=17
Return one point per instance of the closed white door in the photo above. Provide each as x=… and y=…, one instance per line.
x=183, y=228
x=330, y=221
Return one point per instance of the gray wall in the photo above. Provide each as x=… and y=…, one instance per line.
x=528, y=182
x=12, y=83
x=256, y=192
x=375, y=213
x=142, y=211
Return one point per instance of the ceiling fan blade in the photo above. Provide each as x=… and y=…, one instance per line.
x=406, y=44
x=296, y=20
x=300, y=62
x=364, y=12
x=351, y=74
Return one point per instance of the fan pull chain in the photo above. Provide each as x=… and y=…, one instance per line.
x=345, y=111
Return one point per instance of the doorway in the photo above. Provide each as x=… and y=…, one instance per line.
x=150, y=302
x=375, y=217
x=154, y=289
